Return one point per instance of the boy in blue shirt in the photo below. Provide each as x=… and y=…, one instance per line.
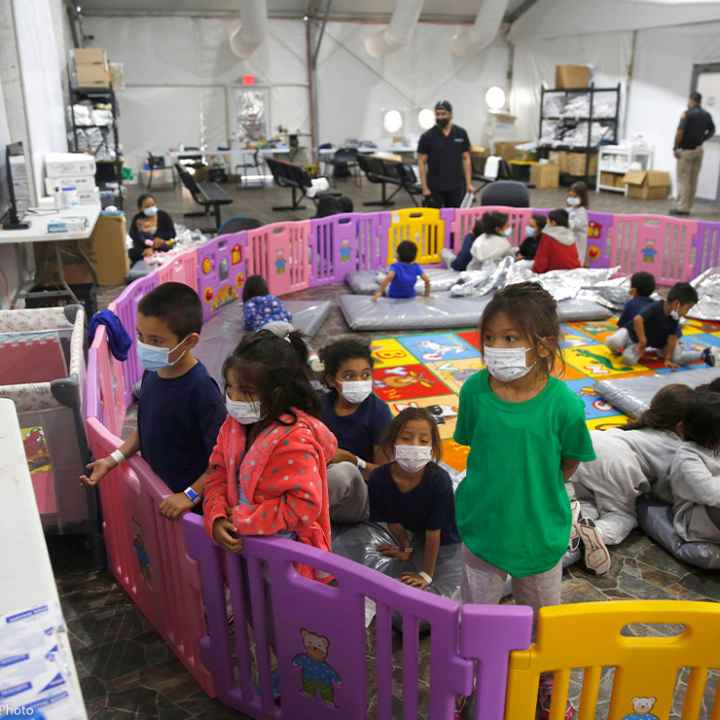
x=180, y=409
x=642, y=286
x=658, y=327
x=403, y=274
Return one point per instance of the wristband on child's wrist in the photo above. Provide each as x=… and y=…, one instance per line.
x=361, y=464
x=427, y=578
x=191, y=495
x=118, y=457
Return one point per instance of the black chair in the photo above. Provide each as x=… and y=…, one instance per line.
x=157, y=162
x=410, y=183
x=509, y=193
x=208, y=194
x=238, y=224
x=247, y=165
x=344, y=159
x=383, y=173
x=287, y=175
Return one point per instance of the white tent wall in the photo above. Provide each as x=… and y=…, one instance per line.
x=355, y=90
x=176, y=68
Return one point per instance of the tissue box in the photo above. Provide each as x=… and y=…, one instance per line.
x=58, y=165
x=647, y=184
x=79, y=182
x=544, y=176
x=572, y=76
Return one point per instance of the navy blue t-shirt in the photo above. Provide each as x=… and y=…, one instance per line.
x=360, y=432
x=430, y=506
x=403, y=284
x=460, y=263
x=178, y=424
x=633, y=307
x=659, y=326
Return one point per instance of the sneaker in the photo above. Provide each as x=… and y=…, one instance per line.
x=710, y=356
x=679, y=213
x=597, y=557
x=447, y=256
x=575, y=510
x=544, y=699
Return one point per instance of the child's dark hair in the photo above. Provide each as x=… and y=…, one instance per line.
x=143, y=197
x=478, y=230
x=559, y=217
x=403, y=418
x=177, y=305
x=702, y=420
x=279, y=372
x=334, y=355
x=581, y=190
x=406, y=251
x=534, y=310
x=255, y=286
x=683, y=292
x=493, y=222
x=667, y=409
x=644, y=283
x=713, y=386
x=540, y=221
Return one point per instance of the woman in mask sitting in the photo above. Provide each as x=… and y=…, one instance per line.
x=152, y=230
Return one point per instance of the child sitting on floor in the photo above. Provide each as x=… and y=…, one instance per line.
x=260, y=307
x=460, y=261
x=557, y=249
x=180, y=409
x=403, y=274
x=413, y=493
x=494, y=242
x=629, y=461
x=642, y=286
x=578, y=204
x=533, y=231
x=359, y=420
x=695, y=472
x=267, y=473
x=658, y=327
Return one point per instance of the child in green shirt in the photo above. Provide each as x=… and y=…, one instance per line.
x=527, y=434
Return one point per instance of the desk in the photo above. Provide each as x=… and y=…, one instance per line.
x=37, y=233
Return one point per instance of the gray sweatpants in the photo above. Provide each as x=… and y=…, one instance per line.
x=348, y=493
x=621, y=342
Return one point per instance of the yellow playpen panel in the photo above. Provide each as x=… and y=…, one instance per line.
x=591, y=637
x=424, y=227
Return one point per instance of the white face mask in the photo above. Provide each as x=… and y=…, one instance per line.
x=150, y=211
x=507, y=232
x=507, y=364
x=246, y=413
x=573, y=201
x=675, y=315
x=356, y=391
x=413, y=458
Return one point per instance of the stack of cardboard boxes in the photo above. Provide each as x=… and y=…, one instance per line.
x=91, y=68
x=574, y=163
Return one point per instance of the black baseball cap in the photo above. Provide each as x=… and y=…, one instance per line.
x=443, y=105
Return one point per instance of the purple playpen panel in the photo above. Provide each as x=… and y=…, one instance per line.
x=447, y=215
x=182, y=269
x=598, y=247
x=221, y=270
x=706, y=247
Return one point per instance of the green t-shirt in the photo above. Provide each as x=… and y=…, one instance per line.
x=512, y=507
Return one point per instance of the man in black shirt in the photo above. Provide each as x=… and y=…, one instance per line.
x=444, y=160
x=696, y=126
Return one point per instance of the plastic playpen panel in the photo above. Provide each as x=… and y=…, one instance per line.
x=706, y=247
x=182, y=269
x=465, y=220
x=105, y=399
x=221, y=268
x=598, y=254
x=422, y=226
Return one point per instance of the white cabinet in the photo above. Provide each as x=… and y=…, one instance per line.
x=614, y=161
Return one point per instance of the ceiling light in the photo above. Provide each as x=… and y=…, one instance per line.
x=495, y=98
x=426, y=118
x=392, y=121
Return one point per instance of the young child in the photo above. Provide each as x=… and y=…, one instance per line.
x=578, y=204
x=695, y=472
x=642, y=286
x=494, y=242
x=557, y=249
x=629, y=461
x=527, y=434
x=151, y=229
x=413, y=493
x=460, y=261
x=267, y=473
x=403, y=274
x=359, y=420
x=533, y=231
x=260, y=307
x=658, y=327
x=180, y=409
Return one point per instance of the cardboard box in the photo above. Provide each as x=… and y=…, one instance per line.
x=647, y=184
x=80, y=182
x=609, y=179
x=90, y=76
x=508, y=150
x=572, y=76
x=58, y=165
x=545, y=176
x=559, y=158
x=90, y=56
x=575, y=164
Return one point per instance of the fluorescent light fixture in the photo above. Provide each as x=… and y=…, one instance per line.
x=495, y=98
x=392, y=122
x=426, y=118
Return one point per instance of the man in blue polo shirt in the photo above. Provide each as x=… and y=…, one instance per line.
x=444, y=160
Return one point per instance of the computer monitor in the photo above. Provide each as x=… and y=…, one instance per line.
x=17, y=187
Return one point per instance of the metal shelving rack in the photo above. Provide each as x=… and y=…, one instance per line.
x=572, y=120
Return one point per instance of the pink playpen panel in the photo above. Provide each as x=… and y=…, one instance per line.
x=182, y=269
x=281, y=254
x=653, y=243
x=105, y=398
x=147, y=555
x=465, y=220
x=221, y=268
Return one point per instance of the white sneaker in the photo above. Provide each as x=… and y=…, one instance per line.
x=597, y=556
x=575, y=510
x=447, y=256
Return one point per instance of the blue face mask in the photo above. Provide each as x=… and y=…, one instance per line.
x=157, y=358
x=530, y=231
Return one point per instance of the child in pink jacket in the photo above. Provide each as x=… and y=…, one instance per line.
x=267, y=474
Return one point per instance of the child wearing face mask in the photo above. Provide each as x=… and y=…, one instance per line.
x=494, y=242
x=658, y=327
x=527, y=434
x=413, y=494
x=267, y=474
x=578, y=204
x=151, y=229
x=180, y=409
x=359, y=420
x=557, y=249
x=528, y=247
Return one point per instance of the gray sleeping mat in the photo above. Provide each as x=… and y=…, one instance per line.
x=365, y=282
x=222, y=333
x=441, y=311
x=632, y=395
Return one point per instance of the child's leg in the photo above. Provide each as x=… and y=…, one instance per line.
x=482, y=582
x=539, y=590
x=619, y=340
x=683, y=355
x=348, y=493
